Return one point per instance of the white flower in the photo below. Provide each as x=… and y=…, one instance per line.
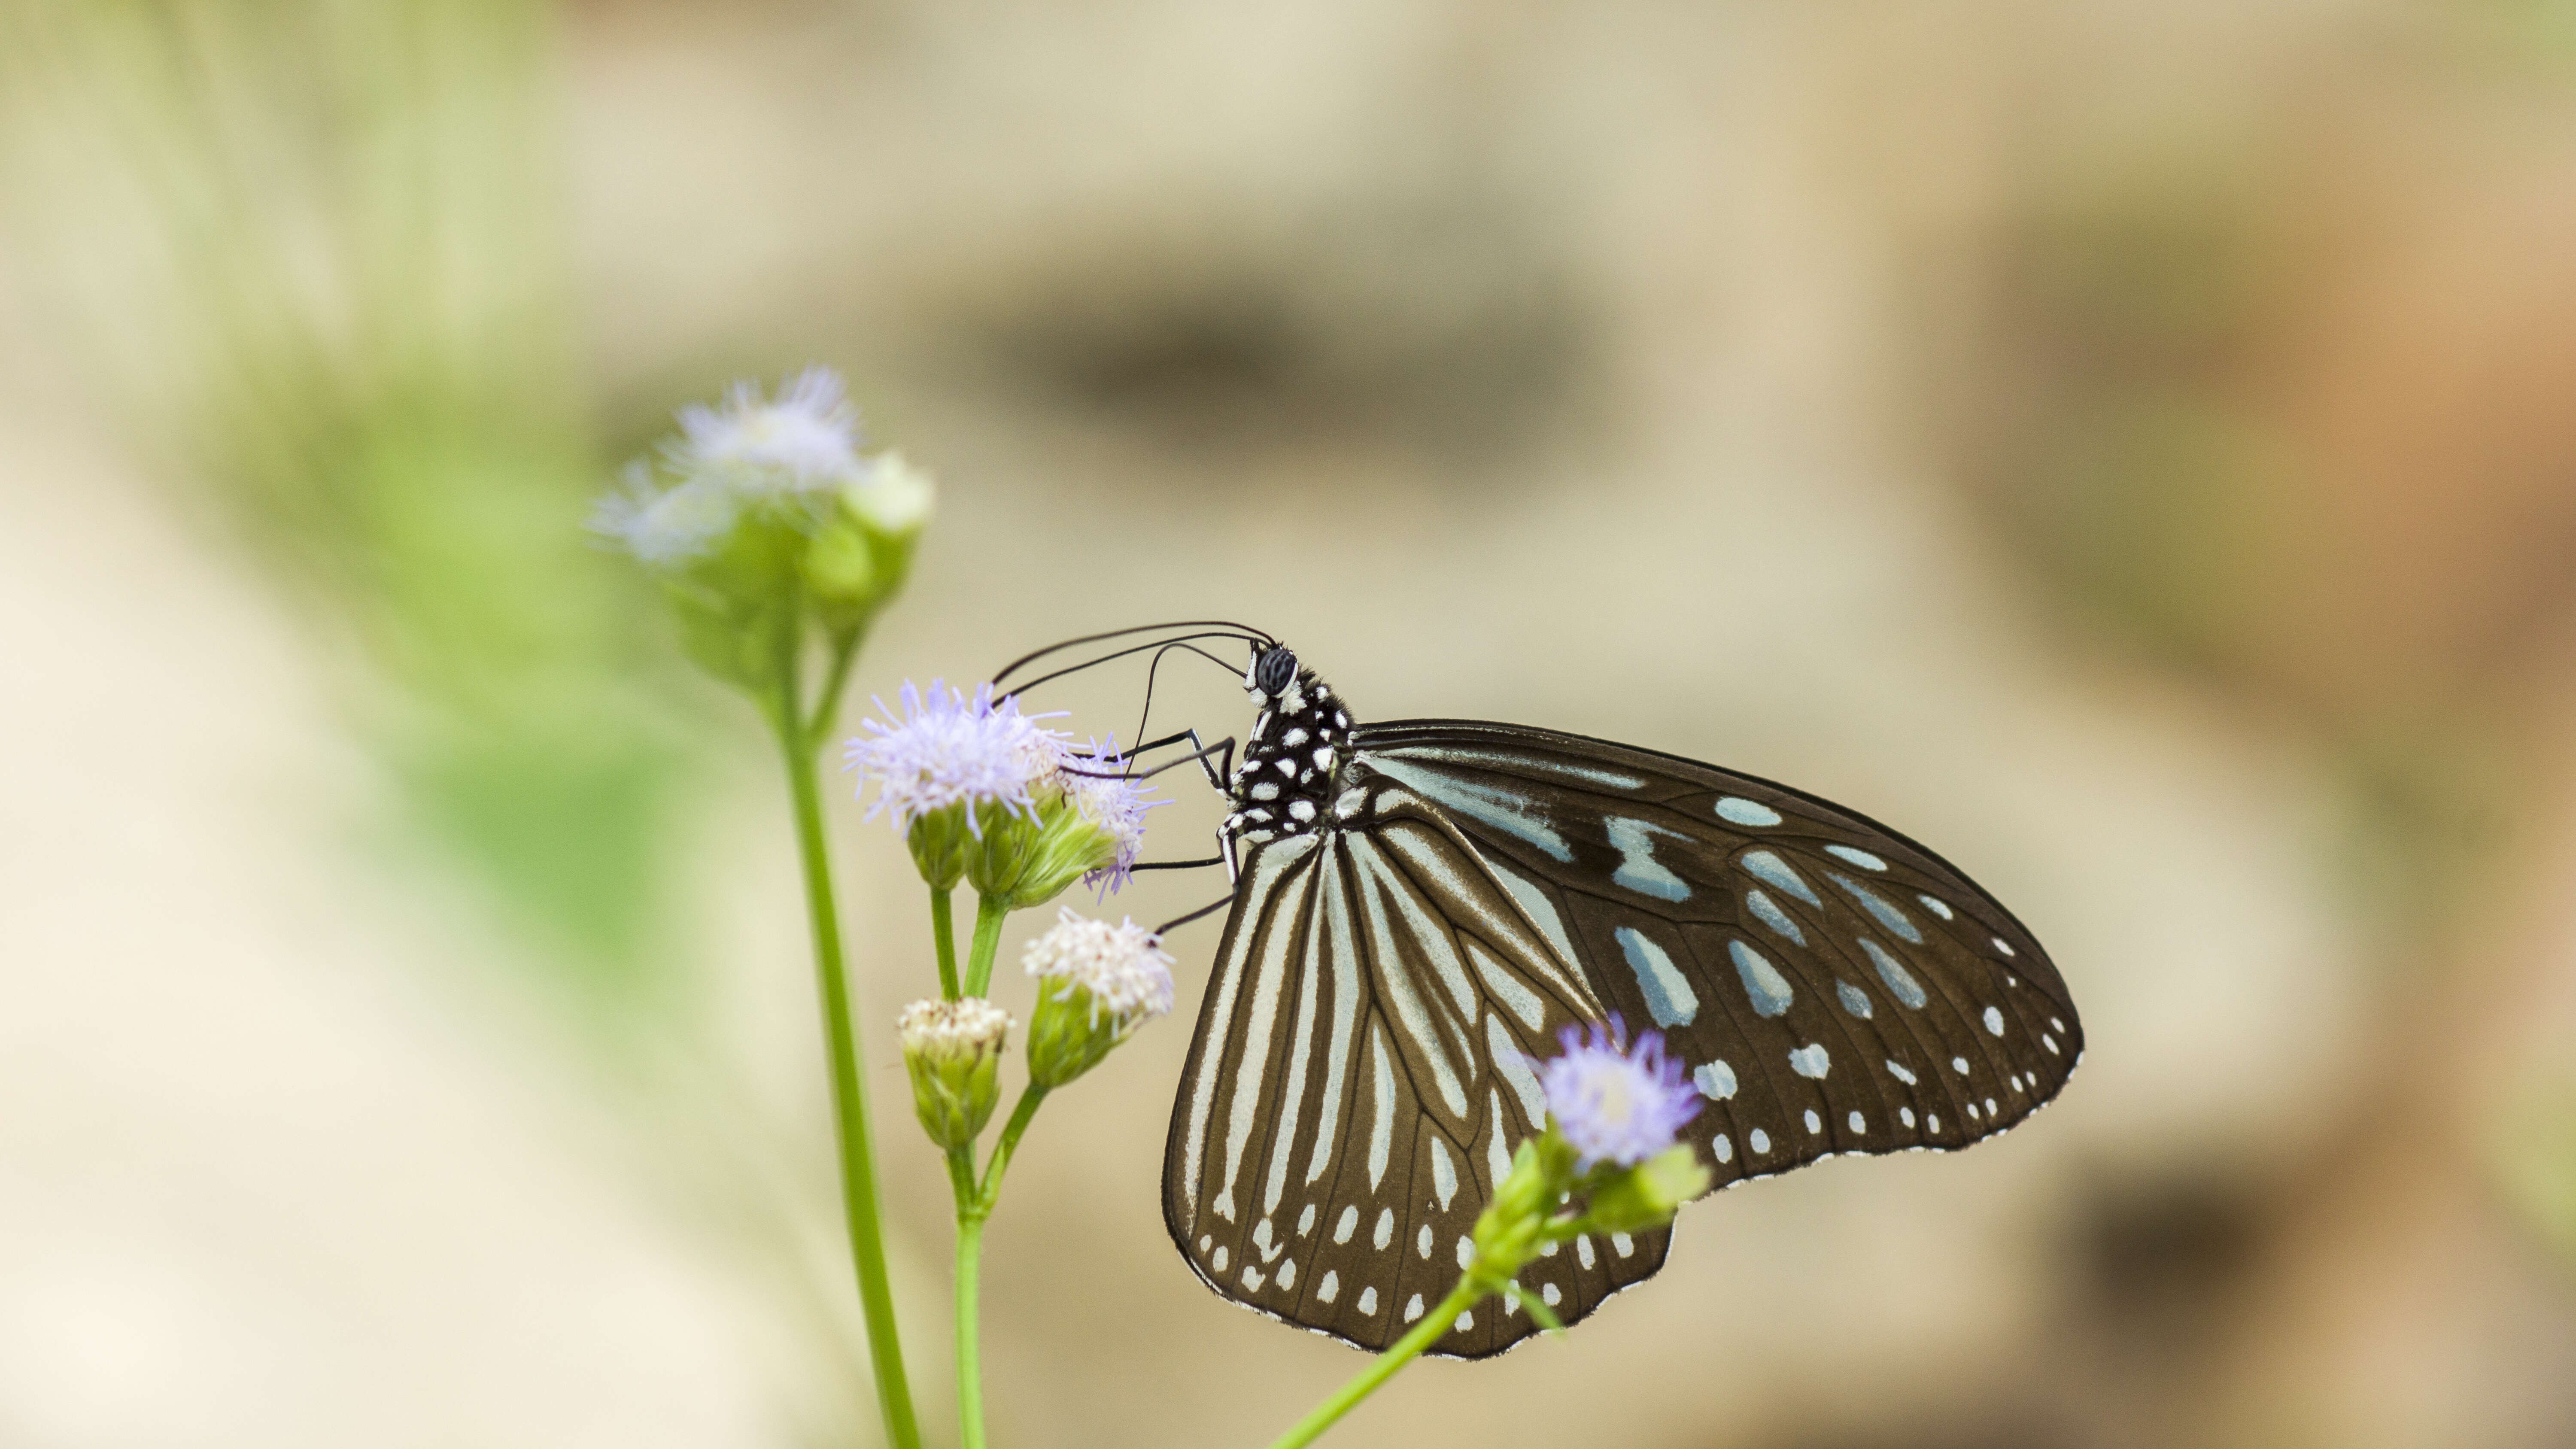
x=803, y=442
x=663, y=525
x=890, y=495
x=1123, y=967
x=958, y=1028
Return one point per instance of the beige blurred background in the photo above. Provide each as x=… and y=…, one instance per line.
x=2130, y=446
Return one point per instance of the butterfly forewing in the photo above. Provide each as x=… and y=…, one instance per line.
x=1834, y=986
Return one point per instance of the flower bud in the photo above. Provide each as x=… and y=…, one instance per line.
x=1096, y=984
x=1090, y=821
x=953, y=1051
x=1648, y=1194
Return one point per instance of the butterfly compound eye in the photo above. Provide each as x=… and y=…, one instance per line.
x=1277, y=667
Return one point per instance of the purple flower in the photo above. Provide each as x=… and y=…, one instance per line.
x=950, y=750
x=1613, y=1102
x=1115, y=806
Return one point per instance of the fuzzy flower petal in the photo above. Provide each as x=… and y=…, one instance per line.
x=1124, y=966
x=1616, y=1103
x=1117, y=806
x=804, y=440
x=947, y=749
x=662, y=526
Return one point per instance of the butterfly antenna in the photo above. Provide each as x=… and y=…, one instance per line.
x=1163, y=644
x=1239, y=631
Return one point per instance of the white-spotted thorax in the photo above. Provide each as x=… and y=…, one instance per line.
x=1299, y=743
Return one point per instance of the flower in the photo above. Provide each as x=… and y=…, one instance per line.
x=663, y=526
x=1097, y=983
x=890, y=495
x=953, y=1052
x=950, y=750
x=1612, y=1102
x=1113, y=803
x=802, y=442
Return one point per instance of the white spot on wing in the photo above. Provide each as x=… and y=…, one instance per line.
x=1854, y=1000
x=1219, y=1259
x=1368, y=1300
x=1856, y=1123
x=1737, y=811
x=1466, y=1251
x=1936, y=906
x=1774, y=871
x=1621, y=1244
x=1897, y=1070
x=1759, y=1140
x=1343, y=1227
x=1893, y=972
x=1413, y=1308
x=1763, y=984
x=1583, y=1252
x=1716, y=1081
x=1422, y=1241
x=1811, y=1060
x=1770, y=914
x=1723, y=1148
x=1882, y=908
x=1638, y=869
x=1288, y=1274
x=1385, y=1231
x=1548, y=1295
x=1861, y=858
x=1669, y=998
x=1330, y=1288
x=1306, y=1220
x=1444, y=1177
x=1994, y=1022
x=1815, y=1124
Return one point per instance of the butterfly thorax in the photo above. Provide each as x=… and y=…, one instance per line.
x=1299, y=741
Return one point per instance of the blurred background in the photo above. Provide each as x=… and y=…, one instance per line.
x=2129, y=446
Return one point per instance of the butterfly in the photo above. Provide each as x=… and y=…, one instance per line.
x=1419, y=908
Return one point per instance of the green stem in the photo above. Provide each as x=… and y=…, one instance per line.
x=827, y=705
x=1383, y=1367
x=943, y=930
x=989, y=912
x=849, y=1094
x=1021, y=1116
x=970, y=1364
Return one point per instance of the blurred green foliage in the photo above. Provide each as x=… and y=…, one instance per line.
x=344, y=321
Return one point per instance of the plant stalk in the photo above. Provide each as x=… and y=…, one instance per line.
x=1383, y=1367
x=849, y=1092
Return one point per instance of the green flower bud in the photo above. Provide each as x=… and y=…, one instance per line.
x=1025, y=863
x=737, y=604
x=862, y=552
x=1096, y=984
x=953, y=1051
x=1648, y=1194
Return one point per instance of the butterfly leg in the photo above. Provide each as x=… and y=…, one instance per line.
x=1215, y=772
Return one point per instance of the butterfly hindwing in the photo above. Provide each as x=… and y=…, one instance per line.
x=1360, y=1078
x=1834, y=987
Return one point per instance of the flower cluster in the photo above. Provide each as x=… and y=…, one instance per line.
x=1096, y=984
x=987, y=795
x=1616, y=1103
x=762, y=515
x=948, y=749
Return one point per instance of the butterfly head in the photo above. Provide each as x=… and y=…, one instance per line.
x=1273, y=670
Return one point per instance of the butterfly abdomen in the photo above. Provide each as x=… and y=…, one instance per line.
x=1292, y=761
